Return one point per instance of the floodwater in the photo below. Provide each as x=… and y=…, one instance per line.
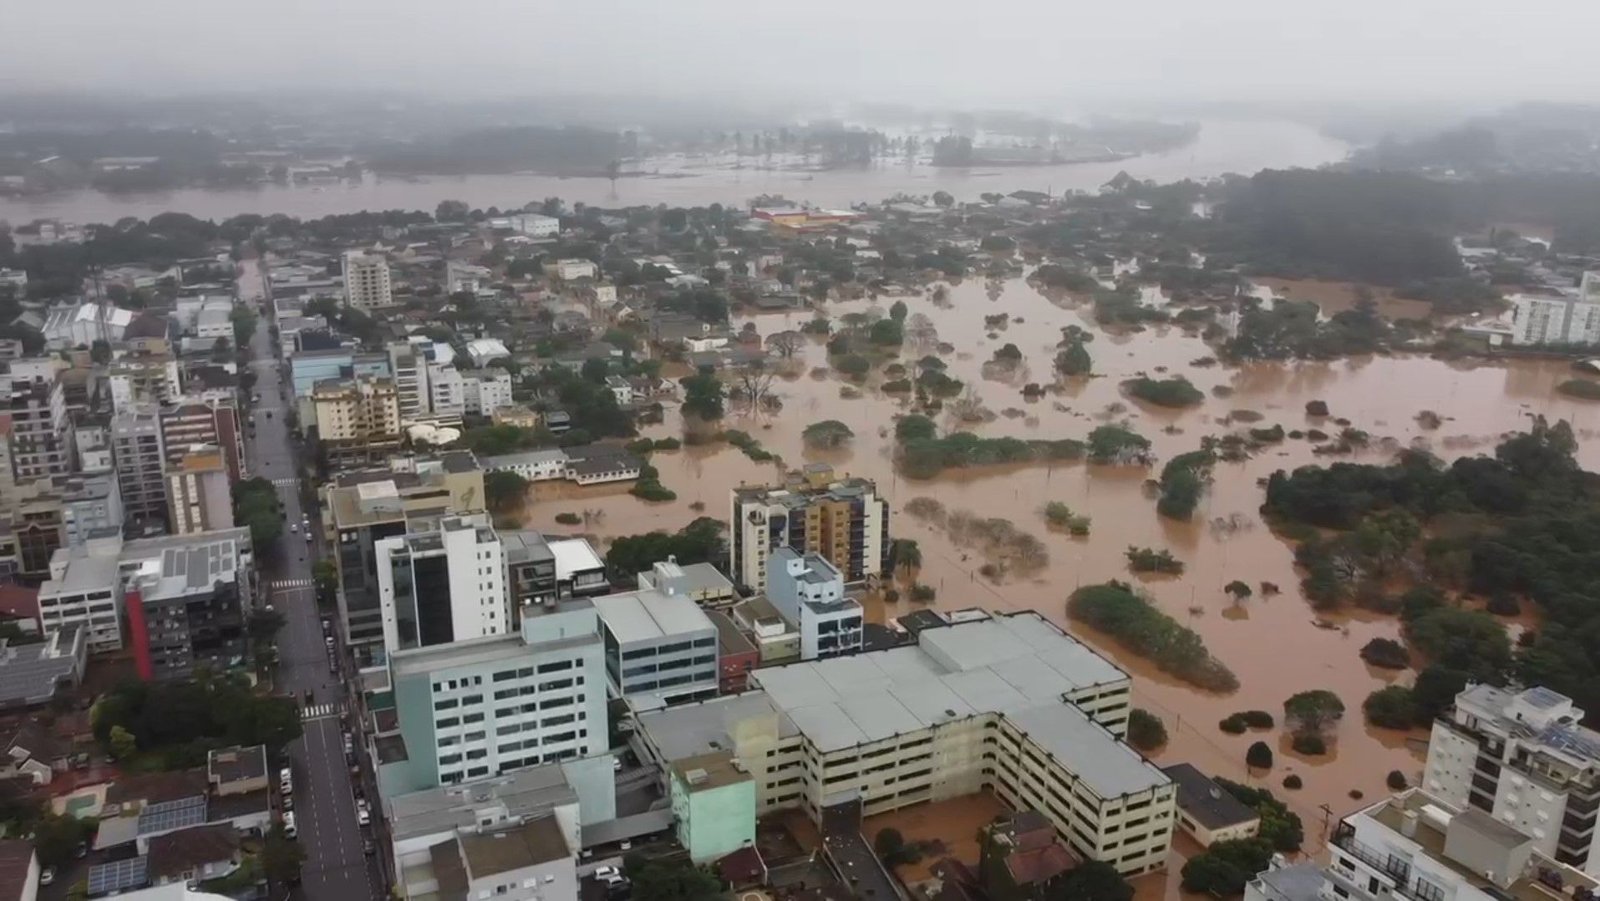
x=1276, y=645
x=1223, y=146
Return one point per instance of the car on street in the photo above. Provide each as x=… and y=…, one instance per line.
x=286, y=781
x=363, y=818
x=47, y=875
x=603, y=872
x=369, y=847
x=290, y=830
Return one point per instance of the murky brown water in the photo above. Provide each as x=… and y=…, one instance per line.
x=1272, y=644
x=1222, y=146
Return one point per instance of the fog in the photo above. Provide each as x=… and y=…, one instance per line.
x=1065, y=54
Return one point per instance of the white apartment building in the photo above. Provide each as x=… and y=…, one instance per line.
x=1008, y=703
x=150, y=378
x=366, y=281
x=487, y=706
x=487, y=391
x=808, y=592
x=459, y=276
x=441, y=586
x=573, y=269
x=844, y=521
x=447, y=390
x=533, y=225
x=85, y=589
x=1522, y=757
x=409, y=366
x=357, y=416
x=1538, y=319
x=1417, y=847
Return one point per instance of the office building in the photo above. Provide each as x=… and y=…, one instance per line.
x=1416, y=846
x=447, y=391
x=428, y=828
x=844, y=521
x=1008, y=703
x=808, y=592
x=199, y=493
x=364, y=507
x=1523, y=757
x=660, y=648
x=41, y=441
x=357, y=418
x=540, y=569
x=488, y=706
x=187, y=598
x=443, y=585
x=366, y=281
x=191, y=423
x=699, y=582
x=141, y=461
x=84, y=590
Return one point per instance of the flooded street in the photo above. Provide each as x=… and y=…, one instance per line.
x=680, y=180
x=1274, y=644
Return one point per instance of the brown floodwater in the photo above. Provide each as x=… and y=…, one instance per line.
x=1276, y=645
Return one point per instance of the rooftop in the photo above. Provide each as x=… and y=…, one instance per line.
x=524, y=793
x=16, y=857
x=574, y=555
x=32, y=673
x=1206, y=801
x=705, y=772
x=533, y=843
x=647, y=615
x=473, y=652
x=81, y=572
x=182, y=565
x=699, y=728
x=237, y=763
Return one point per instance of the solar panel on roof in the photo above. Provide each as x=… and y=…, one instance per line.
x=171, y=815
x=119, y=875
x=1542, y=697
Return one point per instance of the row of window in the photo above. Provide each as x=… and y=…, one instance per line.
x=543, y=669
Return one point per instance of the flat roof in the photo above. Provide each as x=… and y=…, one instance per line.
x=474, y=651
x=573, y=555
x=989, y=666
x=31, y=673
x=524, y=793
x=647, y=615
x=84, y=573
x=699, y=728
x=1208, y=803
x=705, y=772
x=1109, y=767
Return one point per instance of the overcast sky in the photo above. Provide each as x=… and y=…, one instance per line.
x=1066, y=53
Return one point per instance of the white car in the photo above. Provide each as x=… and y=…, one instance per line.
x=295, y=528
x=606, y=872
x=363, y=817
x=289, y=828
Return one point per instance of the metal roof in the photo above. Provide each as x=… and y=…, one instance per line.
x=648, y=615
x=1107, y=766
x=32, y=673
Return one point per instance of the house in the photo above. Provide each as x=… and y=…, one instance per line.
x=19, y=871
x=237, y=770
x=621, y=389
x=1021, y=859
x=192, y=855
x=485, y=350
x=1207, y=811
x=572, y=270
x=30, y=751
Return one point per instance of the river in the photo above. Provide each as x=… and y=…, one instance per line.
x=1221, y=147
x=1273, y=644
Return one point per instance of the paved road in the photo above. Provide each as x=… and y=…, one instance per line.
x=336, y=869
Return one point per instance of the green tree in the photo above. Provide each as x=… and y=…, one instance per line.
x=325, y=576
x=122, y=745
x=887, y=333
x=281, y=857
x=898, y=311
x=56, y=838
x=914, y=427
x=1239, y=590
x=703, y=395
x=1391, y=707
x=1117, y=444
x=1312, y=711
x=244, y=321
x=255, y=506
x=1224, y=868
x=1092, y=880
x=672, y=880
x=451, y=211
x=264, y=625
x=1258, y=756
x=905, y=556
x=504, y=490
x=1145, y=730
x=827, y=434
x=1074, y=360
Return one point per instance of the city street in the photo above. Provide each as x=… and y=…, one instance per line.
x=324, y=804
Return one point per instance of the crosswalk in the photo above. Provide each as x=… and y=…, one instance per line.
x=287, y=482
x=290, y=584
x=318, y=711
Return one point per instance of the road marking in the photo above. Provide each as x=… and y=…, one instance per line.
x=287, y=585
x=318, y=711
x=286, y=482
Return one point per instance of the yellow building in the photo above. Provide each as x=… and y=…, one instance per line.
x=358, y=416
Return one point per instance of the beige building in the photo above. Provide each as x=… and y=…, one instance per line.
x=199, y=494
x=366, y=281
x=1008, y=704
x=842, y=520
x=357, y=417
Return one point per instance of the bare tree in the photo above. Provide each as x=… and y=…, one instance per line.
x=753, y=385
x=785, y=344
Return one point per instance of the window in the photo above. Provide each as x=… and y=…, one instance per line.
x=446, y=704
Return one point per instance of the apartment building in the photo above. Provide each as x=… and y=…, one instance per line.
x=660, y=648
x=1416, y=846
x=447, y=391
x=143, y=378
x=199, y=493
x=1523, y=757
x=357, y=418
x=699, y=582
x=486, y=391
x=363, y=507
x=540, y=570
x=192, y=422
x=1009, y=704
x=844, y=521
x=443, y=585
x=366, y=281
x=1556, y=319
x=84, y=590
x=488, y=706
x=808, y=592
x=41, y=440
x=410, y=371
x=141, y=460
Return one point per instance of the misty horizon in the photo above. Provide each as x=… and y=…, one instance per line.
x=1048, y=58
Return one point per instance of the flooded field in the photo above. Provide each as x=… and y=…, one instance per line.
x=1276, y=645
